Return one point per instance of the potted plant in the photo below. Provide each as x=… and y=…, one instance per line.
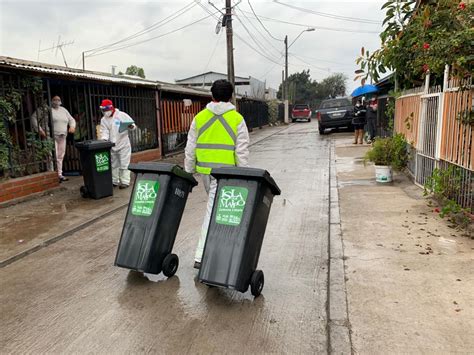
x=388, y=154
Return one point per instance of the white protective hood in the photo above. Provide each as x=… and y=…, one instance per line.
x=219, y=108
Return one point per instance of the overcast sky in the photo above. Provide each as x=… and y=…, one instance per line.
x=197, y=48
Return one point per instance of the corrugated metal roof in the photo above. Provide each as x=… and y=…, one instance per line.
x=46, y=68
x=71, y=72
x=224, y=76
x=183, y=89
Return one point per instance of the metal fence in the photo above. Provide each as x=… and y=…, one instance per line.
x=24, y=152
x=176, y=117
x=431, y=120
x=83, y=100
x=255, y=113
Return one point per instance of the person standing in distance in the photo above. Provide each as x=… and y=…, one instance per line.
x=121, y=152
x=218, y=137
x=63, y=123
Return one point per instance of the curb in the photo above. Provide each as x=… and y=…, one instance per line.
x=82, y=226
x=339, y=330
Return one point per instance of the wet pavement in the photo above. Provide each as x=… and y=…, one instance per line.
x=68, y=297
x=409, y=275
x=31, y=224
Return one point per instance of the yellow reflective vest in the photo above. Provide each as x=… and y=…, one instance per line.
x=216, y=139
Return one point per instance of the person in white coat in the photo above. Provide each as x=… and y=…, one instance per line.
x=206, y=141
x=110, y=131
x=63, y=123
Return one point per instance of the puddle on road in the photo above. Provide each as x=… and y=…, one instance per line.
x=360, y=182
x=24, y=223
x=347, y=165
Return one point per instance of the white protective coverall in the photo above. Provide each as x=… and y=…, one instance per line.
x=210, y=184
x=121, y=152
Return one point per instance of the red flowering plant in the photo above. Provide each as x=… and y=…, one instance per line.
x=421, y=38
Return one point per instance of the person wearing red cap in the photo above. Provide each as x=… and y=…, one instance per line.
x=110, y=130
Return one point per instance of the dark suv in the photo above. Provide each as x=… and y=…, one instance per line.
x=335, y=113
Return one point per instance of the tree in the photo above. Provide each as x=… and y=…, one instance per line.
x=332, y=86
x=423, y=37
x=302, y=89
x=134, y=70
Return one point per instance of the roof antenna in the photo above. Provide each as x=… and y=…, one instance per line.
x=59, y=47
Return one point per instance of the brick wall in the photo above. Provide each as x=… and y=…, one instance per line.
x=24, y=186
x=146, y=155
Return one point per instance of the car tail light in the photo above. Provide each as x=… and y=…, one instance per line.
x=318, y=116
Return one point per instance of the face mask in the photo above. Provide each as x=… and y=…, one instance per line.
x=107, y=113
x=56, y=104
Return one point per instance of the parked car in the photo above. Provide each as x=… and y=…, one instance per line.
x=335, y=113
x=301, y=112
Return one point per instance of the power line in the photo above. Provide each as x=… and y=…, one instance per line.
x=332, y=16
x=261, y=23
x=323, y=60
x=260, y=33
x=146, y=30
x=259, y=45
x=152, y=38
x=239, y=37
x=313, y=26
x=271, y=68
x=198, y=2
x=310, y=64
x=256, y=50
x=248, y=44
x=213, y=52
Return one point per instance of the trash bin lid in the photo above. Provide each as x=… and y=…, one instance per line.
x=94, y=145
x=166, y=168
x=247, y=173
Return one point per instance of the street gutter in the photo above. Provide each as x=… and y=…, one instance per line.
x=338, y=327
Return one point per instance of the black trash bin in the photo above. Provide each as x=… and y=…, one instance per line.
x=154, y=213
x=238, y=222
x=96, y=168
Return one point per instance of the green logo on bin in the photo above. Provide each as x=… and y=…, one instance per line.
x=231, y=205
x=145, y=197
x=101, y=162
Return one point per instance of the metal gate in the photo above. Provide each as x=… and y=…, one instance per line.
x=428, y=144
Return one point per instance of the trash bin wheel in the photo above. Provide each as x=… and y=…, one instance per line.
x=83, y=191
x=256, y=283
x=170, y=265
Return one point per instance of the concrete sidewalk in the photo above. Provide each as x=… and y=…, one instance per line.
x=409, y=276
x=28, y=226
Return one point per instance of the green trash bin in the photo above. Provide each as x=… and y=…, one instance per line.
x=154, y=213
x=96, y=168
x=236, y=229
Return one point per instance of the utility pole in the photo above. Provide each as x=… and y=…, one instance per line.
x=285, y=84
x=230, y=45
x=286, y=67
x=83, y=61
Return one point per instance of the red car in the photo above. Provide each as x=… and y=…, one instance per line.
x=301, y=112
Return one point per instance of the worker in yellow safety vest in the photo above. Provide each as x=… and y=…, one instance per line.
x=218, y=137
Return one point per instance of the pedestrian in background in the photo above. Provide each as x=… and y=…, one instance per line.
x=359, y=121
x=372, y=119
x=112, y=129
x=63, y=123
x=218, y=137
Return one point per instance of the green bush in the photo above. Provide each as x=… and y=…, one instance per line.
x=390, y=151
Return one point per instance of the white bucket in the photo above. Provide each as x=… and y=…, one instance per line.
x=383, y=173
